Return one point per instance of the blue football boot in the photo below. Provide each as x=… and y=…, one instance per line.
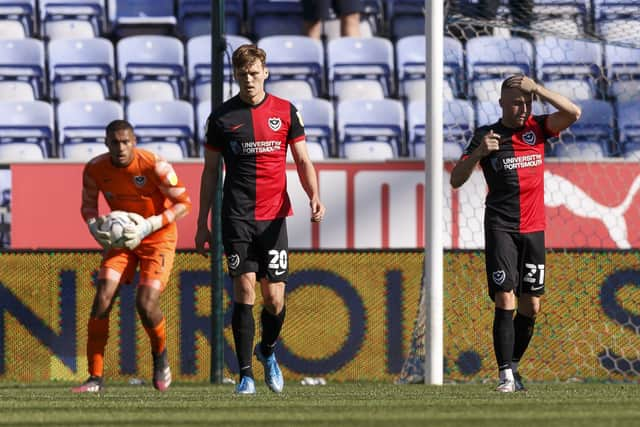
x=246, y=386
x=272, y=373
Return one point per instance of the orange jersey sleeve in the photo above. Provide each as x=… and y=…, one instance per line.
x=147, y=186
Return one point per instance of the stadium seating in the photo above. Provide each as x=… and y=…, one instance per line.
x=490, y=59
x=360, y=68
x=134, y=17
x=81, y=69
x=296, y=66
x=622, y=65
x=194, y=17
x=83, y=122
x=199, y=66
x=590, y=138
x=410, y=56
x=575, y=72
x=20, y=152
x=568, y=17
x=27, y=123
x=371, y=129
x=166, y=127
x=21, y=69
x=74, y=19
x=628, y=113
x=151, y=67
x=457, y=121
x=203, y=109
x=17, y=18
x=318, y=117
x=617, y=20
x=274, y=17
x=406, y=18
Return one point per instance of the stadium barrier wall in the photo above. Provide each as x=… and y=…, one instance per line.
x=350, y=317
x=369, y=206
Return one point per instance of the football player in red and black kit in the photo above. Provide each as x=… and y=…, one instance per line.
x=511, y=154
x=252, y=132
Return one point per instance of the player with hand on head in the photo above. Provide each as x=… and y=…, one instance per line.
x=511, y=154
x=146, y=187
x=252, y=132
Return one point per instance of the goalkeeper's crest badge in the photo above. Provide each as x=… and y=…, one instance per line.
x=529, y=137
x=275, y=123
x=140, y=180
x=498, y=277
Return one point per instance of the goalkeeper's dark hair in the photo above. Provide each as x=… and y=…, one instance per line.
x=117, y=125
x=246, y=55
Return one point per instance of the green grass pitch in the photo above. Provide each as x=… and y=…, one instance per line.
x=351, y=404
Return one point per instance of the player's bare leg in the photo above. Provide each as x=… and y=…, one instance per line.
x=148, y=306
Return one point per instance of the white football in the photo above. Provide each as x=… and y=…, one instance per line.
x=115, y=224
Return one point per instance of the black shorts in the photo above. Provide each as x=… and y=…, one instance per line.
x=257, y=246
x=515, y=262
x=319, y=10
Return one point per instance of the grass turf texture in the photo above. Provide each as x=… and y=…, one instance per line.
x=352, y=404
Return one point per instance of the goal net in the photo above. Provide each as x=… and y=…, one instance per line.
x=588, y=51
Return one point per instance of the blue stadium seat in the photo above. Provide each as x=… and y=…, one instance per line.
x=617, y=20
x=416, y=129
x=17, y=17
x=151, y=67
x=203, y=109
x=411, y=58
x=370, y=129
x=163, y=126
x=199, y=66
x=81, y=69
x=406, y=18
x=72, y=19
x=570, y=67
x=82, y=122
x=360, y=68
x=274, y=17
x=194, y=17
x=490, y=59
x=296, y=66
x=591, y=137
x=27, y=123
x=20, y=152
x=628, y=114
x=622, y=65
x=318, y=117
x=566, y=17
x=457, y=121
x=134, y=17
x=22, y=75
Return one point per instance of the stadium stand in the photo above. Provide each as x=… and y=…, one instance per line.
x=26, y=123
x=318, y=125
x=590, y=138
x=617, y=20
x=274, y=17
x=17, y=17
x=151, y=67
x=628, y=113
x=406, y=18
x=410, y=63
x=71, y=19
x=622, y=65
x=194, y=17
x=371, y=129
x=134, y=17
x=570, y=16
x=296, y=66
x=81, y=69
x=22, y=75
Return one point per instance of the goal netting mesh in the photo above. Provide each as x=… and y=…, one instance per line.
x=588, y=51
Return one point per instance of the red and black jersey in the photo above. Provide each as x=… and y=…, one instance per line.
x=515, y=175
x=253, y=140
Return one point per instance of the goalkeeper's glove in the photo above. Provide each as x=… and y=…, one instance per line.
x=141, y=228
x=102, y=237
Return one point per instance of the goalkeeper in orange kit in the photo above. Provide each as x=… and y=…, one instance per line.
x=144, y=185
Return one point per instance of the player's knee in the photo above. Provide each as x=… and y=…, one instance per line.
x=273, y=304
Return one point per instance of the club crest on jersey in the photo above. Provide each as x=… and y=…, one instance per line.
x=498, y=277
x=139, y=180
x=275, y=123
x=529, y=137
x=233, y=261
x=235, y=147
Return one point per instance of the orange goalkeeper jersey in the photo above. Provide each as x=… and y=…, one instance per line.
x=147, y=186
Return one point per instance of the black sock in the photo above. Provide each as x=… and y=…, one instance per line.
x=503, y=337
x=523, y=327
x=271, y=326
x=243, y=327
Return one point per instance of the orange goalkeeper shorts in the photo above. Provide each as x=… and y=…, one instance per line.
x=155, y=260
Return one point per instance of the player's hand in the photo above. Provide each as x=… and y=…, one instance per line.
x=490, y=143
x=317, y=210
x=102, y=237
x=203, y=237
x=522, y=82
x=134, y=234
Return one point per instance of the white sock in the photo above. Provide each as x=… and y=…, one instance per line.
x=506, y=374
